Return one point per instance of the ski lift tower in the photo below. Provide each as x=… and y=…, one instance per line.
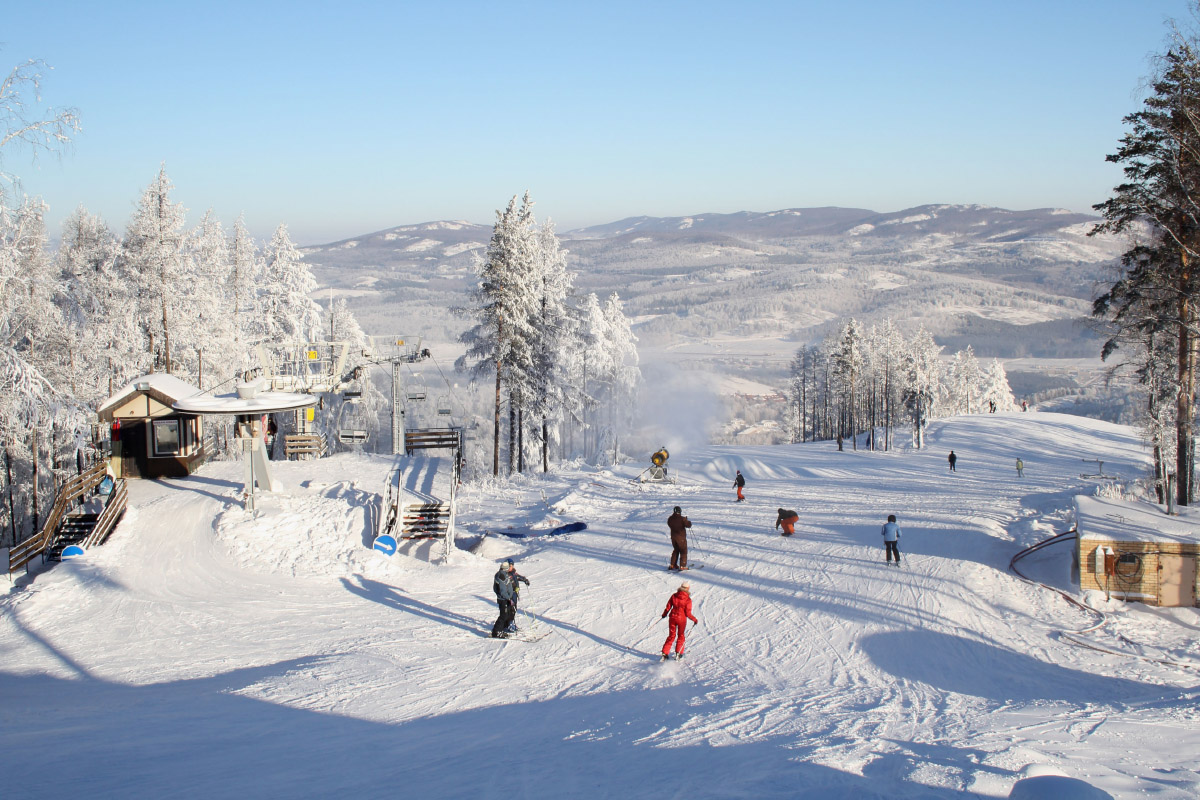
x=397, y=351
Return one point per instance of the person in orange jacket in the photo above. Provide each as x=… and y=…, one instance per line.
x=679, y=607
x=788, y=519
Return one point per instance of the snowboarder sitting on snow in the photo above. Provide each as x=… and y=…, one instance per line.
x=738, y=483
x=502, y=585
x=787, y=518
x=678, y=524
x=679, y=607
x=891, y=538
x=517, y=579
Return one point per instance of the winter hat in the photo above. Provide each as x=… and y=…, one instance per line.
x=685, y=587
x=678, y=510
x=508, y=564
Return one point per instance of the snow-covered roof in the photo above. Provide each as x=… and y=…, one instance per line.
x=1127, y=521
x=261, y=403
x=166, y=389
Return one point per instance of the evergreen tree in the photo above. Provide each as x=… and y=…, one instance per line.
x=244, y=279
x=153, y=261
x=505, y=299
x=1160, y=158
x=552, y=327
x=289, y=314
x=996, y=389
x=922, y=380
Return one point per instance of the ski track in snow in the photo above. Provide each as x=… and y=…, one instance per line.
x=204, y=654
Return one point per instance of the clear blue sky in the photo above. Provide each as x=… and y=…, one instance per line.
x=341, y=118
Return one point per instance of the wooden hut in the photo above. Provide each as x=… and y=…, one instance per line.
x=150, y=439
x=1135, y=551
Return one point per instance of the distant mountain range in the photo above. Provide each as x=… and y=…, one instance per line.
x=742, y=291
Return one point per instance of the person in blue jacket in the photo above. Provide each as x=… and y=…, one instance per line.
x=891, y=538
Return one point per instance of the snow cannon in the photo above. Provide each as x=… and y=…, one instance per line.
x=659, y=459
x=657, y=471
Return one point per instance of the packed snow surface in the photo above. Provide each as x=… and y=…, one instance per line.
x=203, y=653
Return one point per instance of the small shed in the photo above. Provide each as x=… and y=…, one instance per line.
x=1135, y=551
x=150, y=439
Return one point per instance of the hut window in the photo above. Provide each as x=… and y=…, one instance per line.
x=166, y=437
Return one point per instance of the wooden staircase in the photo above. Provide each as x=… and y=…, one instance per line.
x=74, y=529
x=63, y=529
x=425, y=520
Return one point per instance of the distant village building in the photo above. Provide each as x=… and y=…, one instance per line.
x=150, y=439
x=1135, y=551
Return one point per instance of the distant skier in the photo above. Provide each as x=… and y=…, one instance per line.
x=891, y=538
x=739, y=483
x=1024, y=406
x=787, y=518
x=679, y=607
x=678, y=525
x=953, y=459
x=517, y=579
x=503, y=586
x=1020, y=468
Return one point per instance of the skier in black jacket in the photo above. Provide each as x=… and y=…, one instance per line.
x=503, y=586
x=517, y=579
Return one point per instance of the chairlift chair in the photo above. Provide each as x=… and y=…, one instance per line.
x=417, y=392
x=443, y=406
x=352, y=420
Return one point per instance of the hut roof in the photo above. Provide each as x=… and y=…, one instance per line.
x=1104, y=519
x=166, y=389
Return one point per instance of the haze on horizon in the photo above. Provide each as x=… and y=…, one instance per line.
x=341, y=121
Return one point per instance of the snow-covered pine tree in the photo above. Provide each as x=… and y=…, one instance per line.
x=552, y=327
x=504, y=301
x=922, y=380
x=244, y=279
x=1160, y=158
x=848, y=363
x=152, y=260
x=887, y=348
x=207, y=345
x=624, y=375
x=996, y=389
x=102, y=340
x=289, y=314
x=595, y=362
x=965, y=382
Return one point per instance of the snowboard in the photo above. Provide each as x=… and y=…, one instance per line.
x=520, y=636
x=690, y=567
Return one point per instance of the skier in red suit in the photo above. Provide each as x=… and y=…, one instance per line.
x=680, y=609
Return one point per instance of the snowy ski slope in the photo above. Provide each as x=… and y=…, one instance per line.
x=203, y=654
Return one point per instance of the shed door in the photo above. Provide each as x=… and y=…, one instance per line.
x=1177, y=580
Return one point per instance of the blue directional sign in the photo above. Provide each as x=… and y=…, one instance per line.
x=72, y=551
x=386, y=544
